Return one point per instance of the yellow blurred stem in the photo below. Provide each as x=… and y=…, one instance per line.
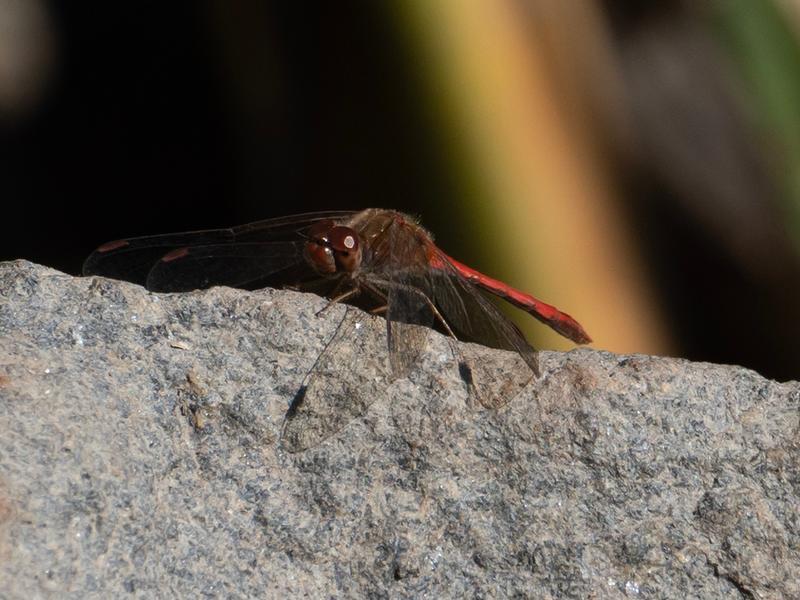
x=557, y=231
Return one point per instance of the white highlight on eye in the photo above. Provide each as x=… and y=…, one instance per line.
x=349, y=242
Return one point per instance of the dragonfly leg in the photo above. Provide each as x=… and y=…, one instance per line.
x=340, y=298
x=434, y=310
x=380, y=296
x=423, y=295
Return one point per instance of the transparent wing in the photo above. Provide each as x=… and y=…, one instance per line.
x=410, y=306
x=473, y=317
x=349, y=375
x=408, y=321
x=247, y=265
x=423, y=289
x=133, y=259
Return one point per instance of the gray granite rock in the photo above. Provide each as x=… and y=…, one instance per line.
x=145, y=450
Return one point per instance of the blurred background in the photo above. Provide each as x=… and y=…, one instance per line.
x=637, y=164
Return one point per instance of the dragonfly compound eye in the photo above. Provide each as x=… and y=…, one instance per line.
x=320, y=258
x=346, y=248
x=318, y=252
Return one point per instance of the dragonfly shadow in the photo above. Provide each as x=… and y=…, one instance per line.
x=296, y=402
x=465, y=372
x=493, y=378
x=348, y=376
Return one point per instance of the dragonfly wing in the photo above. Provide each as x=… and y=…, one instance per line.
x=285, y=228
x=411, y=310
x=473, y=317
x=408, y=319
x=341, y=385
x=133, y=259
x=243, y=265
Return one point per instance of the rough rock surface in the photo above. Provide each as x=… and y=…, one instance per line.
x=141, y=453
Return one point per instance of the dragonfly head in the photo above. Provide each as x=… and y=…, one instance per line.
x=333, y=248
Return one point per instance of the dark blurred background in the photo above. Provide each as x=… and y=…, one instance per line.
x=634, y=163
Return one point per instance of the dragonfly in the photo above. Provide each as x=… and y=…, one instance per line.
x=379, y=260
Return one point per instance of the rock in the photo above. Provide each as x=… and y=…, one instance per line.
x=141, y=451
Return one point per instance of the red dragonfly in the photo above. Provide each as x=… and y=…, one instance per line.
x=380, y=260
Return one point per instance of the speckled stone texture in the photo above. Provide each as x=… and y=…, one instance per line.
x=141, y=454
